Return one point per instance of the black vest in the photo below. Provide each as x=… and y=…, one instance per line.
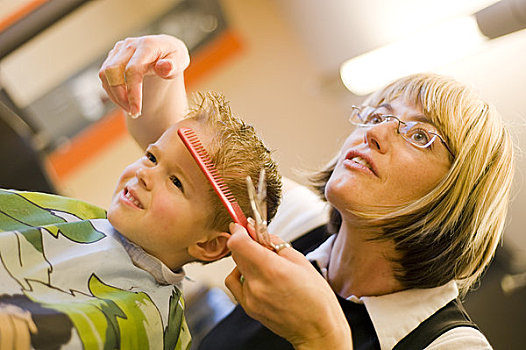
x=238, y=331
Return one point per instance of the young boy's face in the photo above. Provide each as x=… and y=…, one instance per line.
x=162, y=201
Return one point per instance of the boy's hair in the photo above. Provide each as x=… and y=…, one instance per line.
x=452, y=232
x=237, y=152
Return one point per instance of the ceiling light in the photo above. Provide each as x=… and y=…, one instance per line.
x=429, y=49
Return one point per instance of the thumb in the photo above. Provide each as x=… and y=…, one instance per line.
x=164, y=68
x=172, y=64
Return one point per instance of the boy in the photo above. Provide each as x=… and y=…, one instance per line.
x=72, y=277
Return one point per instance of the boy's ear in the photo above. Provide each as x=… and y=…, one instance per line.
x=210, y=249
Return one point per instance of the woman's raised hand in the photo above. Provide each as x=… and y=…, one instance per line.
x=132, y=59
x=286, y=293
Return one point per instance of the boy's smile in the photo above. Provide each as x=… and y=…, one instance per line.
x=162, y=201
x=128, y=197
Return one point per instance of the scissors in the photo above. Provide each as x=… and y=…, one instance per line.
x=258, y=202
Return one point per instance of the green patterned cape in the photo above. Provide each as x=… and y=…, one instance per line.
x=67, y=282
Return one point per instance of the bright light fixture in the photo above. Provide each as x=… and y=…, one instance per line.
x=419, y=53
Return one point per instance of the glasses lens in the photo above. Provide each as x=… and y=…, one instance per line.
x=419, y=134
x=354, y=118
x=366, y=116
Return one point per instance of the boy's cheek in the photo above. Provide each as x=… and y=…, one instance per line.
x=166, y=211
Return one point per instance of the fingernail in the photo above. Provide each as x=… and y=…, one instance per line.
x=172, y=68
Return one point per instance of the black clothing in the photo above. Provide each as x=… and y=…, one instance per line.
x=238, y=331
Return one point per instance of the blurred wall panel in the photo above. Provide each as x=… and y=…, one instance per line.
x=72, y=43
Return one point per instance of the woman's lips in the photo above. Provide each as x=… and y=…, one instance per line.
x=361, y=161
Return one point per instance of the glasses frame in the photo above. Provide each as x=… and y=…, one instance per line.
x=388, y=117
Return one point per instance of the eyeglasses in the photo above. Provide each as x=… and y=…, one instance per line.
x=419, y=134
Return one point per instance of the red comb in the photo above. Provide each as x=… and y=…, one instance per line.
x=201, y=156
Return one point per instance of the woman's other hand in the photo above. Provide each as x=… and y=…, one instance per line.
x=132, y=59
x=158, y=63
x=285, y=292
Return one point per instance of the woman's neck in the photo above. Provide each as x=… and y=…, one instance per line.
x=361, y=267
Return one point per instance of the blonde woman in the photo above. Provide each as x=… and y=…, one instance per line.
x=419, y=192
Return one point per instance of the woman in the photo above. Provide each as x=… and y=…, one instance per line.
x=419, y=193
x=413, y=223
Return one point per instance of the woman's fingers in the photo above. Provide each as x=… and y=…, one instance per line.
x=250, y=255
x=112, y=72
x=117, y=93
x=277, y=286
x=233, y=283
x=175, y=62
x=165, y=68
x=288, y=252
x=140, y=64
x=247, y=255
x=122, y=73
x=115, y=75
x=245, y=251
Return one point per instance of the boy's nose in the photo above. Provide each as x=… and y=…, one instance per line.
x=143, y=177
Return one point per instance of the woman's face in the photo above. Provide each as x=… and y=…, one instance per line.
x=378, y=167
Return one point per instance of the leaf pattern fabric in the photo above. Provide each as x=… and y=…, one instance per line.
x=67, y=281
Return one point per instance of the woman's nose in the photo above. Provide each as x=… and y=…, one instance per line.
x=381, y=136
x=144, y=177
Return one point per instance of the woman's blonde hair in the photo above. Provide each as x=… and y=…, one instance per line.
x=452, y=232
x=237, y=152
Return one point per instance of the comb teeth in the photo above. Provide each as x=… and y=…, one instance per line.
x=205, y=157
x=201, y=156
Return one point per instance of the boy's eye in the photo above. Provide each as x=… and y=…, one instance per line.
x=176, y=182
x=151, y=157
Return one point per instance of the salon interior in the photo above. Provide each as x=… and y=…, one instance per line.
x=292, y=68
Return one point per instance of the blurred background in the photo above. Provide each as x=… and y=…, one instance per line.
x=282, y=64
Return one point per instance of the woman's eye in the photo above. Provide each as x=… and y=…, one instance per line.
x=420, y=137
x=374, y=118
x=176, y=182
x=151, y=157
